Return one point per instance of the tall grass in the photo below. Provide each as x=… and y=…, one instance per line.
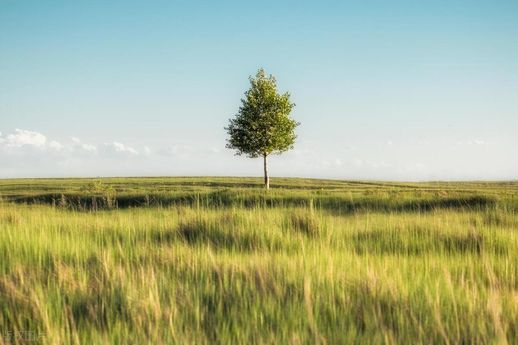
x=334, y=267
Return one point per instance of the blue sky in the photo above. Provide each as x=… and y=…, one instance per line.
x=397, y=90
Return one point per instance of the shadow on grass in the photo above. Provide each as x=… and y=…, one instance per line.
x=99, y=308
x=412, y=243
x=205, y=233
x=336, y=204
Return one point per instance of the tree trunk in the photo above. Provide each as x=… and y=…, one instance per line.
x=266, y=177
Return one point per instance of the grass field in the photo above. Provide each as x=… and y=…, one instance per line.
x=221, y=261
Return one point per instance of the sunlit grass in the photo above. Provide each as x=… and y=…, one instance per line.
x=228, y=265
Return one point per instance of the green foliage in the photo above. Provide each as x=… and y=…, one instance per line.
x=263, y=125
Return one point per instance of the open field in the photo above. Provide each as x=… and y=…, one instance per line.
x=221, y=261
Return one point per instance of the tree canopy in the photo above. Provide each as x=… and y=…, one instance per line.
x=263, y=125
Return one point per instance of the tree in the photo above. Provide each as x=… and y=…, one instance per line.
x=263, y=125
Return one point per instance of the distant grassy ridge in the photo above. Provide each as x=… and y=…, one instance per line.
x=247, y=199
x=330, y=195
x=157, y=184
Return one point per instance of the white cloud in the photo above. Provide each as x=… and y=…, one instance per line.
x=79, y=147
x=120, y=147
x=22, y=137
x=55, y=145
x=473, y=142
x=89, y=147
x=147, y=151
x=178, y=150
x=23, y=141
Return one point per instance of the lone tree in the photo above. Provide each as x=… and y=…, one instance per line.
x=263, y=125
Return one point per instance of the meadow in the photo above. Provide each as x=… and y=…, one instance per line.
x=217, y=260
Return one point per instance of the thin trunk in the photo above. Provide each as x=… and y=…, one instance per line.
x=266, y=178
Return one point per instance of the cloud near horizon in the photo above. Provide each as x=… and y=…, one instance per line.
x=23, y=141
x=29, y=153
x=22, y=137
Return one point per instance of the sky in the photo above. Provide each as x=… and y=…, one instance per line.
x=384, y=90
